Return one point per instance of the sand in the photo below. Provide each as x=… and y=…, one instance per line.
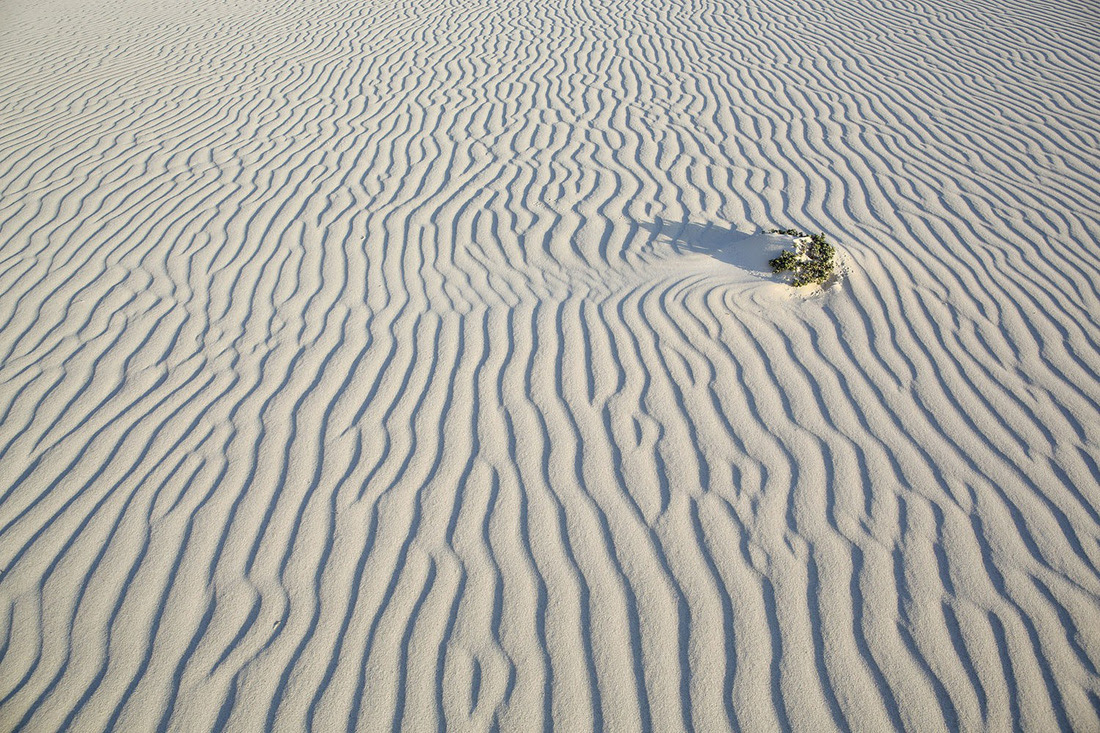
x=401, y=364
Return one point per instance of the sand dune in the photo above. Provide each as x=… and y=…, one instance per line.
x=410, y=364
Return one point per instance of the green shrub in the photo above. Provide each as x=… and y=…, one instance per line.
x=811, y=260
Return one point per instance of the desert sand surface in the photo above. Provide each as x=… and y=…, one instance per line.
x=416, y=364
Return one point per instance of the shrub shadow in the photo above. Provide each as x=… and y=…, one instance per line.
x=748, y=251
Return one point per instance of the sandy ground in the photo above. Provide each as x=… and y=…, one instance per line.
x=383, y=364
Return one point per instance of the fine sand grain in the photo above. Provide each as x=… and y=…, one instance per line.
x=408, y=364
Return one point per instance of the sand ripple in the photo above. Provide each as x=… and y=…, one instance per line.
x=414, y=364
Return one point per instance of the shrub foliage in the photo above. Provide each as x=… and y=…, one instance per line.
x=811, y=260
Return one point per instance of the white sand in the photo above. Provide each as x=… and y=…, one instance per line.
x=396, y=364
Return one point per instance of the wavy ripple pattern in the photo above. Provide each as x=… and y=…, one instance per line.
x=409, y=364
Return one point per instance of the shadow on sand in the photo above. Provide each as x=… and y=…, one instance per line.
x=748, y=251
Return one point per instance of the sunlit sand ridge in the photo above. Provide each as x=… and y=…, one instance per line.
x=400, y=365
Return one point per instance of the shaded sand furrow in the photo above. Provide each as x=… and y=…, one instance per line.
x=408, y=365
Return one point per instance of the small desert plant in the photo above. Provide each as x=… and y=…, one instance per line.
x=811, y=260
